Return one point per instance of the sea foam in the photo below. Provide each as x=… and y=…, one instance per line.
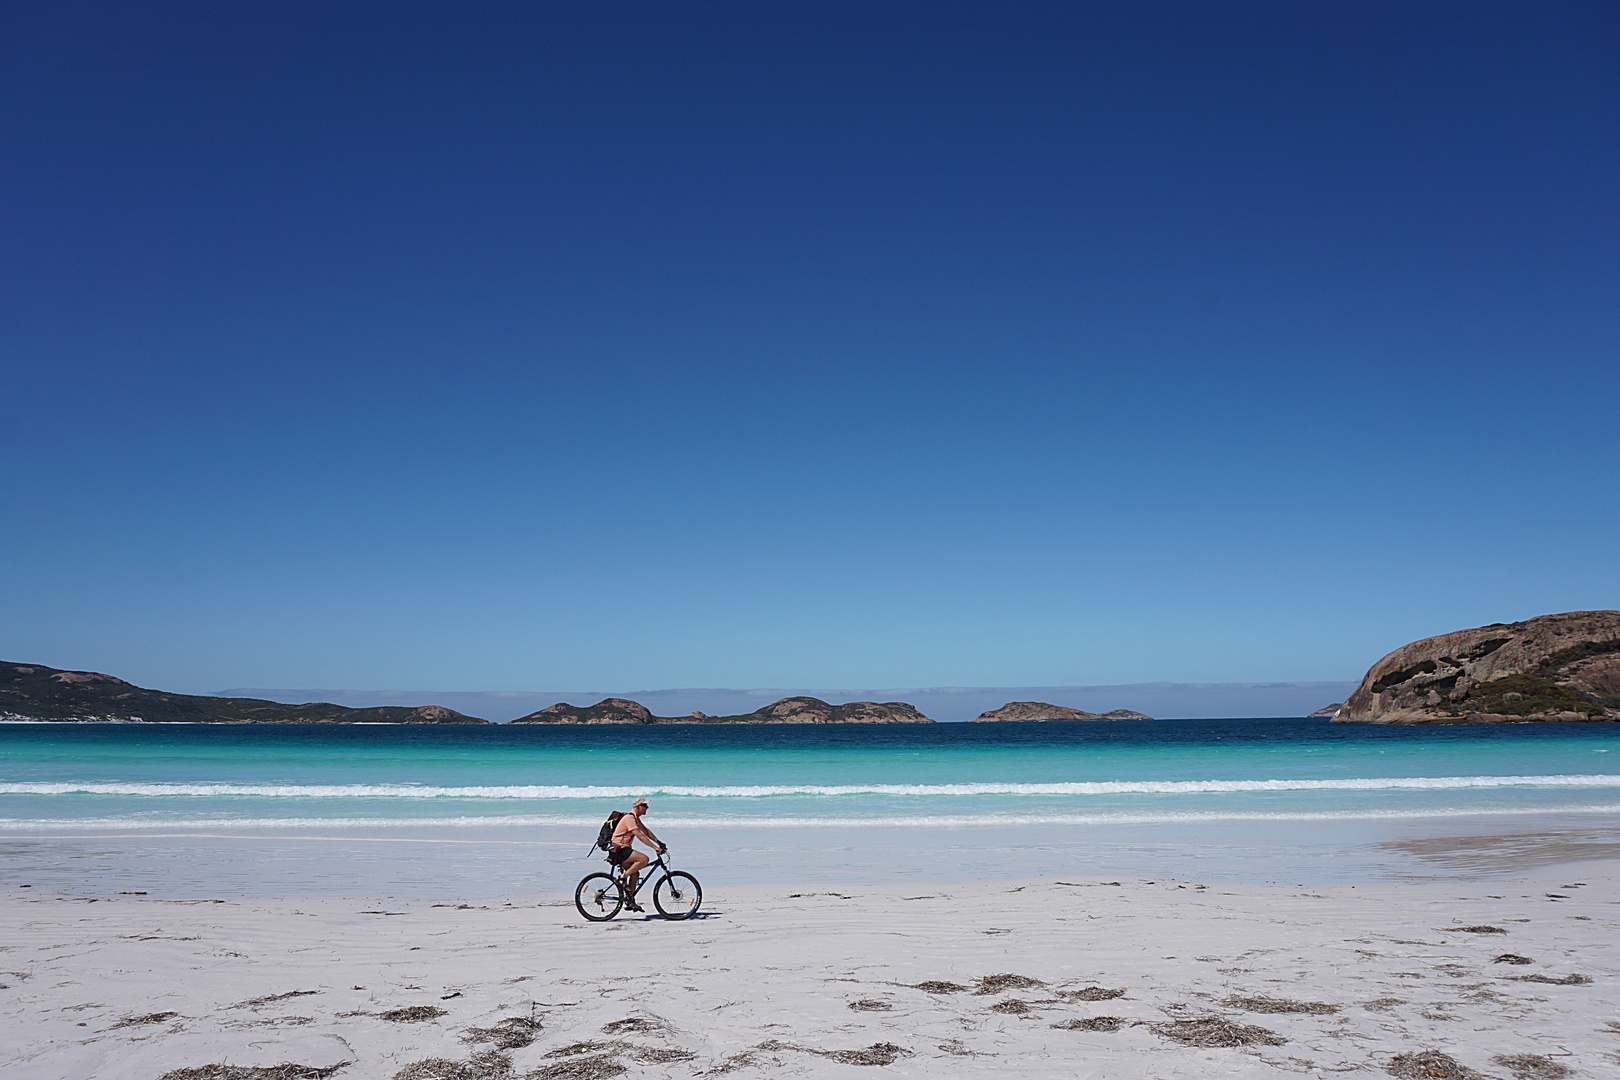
x=754, y=791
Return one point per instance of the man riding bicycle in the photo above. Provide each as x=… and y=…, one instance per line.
x=623, y=855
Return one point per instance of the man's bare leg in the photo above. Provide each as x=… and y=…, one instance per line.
x=632, y=873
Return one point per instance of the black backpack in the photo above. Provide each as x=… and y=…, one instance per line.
x=604, y=837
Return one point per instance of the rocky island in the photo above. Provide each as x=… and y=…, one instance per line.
x=790, y=710
x=40, y=693
x=1553, y=668
x=1031, y=711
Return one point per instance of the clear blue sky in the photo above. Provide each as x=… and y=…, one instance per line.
x=491, y=346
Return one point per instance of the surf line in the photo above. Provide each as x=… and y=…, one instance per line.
x=544, y=791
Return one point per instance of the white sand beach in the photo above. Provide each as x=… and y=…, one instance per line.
x=1508, y=975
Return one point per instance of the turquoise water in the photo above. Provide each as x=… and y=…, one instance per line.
x=67, y=778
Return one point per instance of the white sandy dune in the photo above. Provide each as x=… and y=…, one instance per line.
x=1084, y=978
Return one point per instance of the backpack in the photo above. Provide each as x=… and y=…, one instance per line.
x=604, y=837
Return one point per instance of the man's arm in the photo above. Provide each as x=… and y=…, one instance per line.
x=647, y=835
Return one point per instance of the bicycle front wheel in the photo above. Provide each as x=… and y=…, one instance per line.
x=598, y=897
x=677, y=895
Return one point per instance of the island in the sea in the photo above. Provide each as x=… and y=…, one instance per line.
x=40, y=693
x=1554, y=668
x=1035, y=711
x=790, y=710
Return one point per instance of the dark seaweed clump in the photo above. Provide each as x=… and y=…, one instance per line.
x=285, y=1071
x=1093, y=1023
x=995, y=984
x=1213, y=1031
x=1429, y=1065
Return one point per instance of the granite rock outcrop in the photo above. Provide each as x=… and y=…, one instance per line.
x=37, y=692
x=607, y=711
x=791, y=710
x=1035, y=711
x=1554, y=668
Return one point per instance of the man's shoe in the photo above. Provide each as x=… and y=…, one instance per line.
x=633, y=906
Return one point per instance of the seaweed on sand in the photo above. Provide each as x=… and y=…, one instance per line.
x=1012, y=1007
x=285, y=1071
x=1091, y=993
x=575, y=1049
x=1279, y=1005
x=935, y=986
x=877, y=1054
x=1471, y=930
x=606, y=1054
x=995, y=984
x=1213, y=1031
x=1533, y=1066
x=253, y=1002
x=1511, y=958
x=1091, y=1023
x=489, y=1065
x=870, y=1005
x=744, y=1060
x=509, y=1033
x=657, y=1055
x=594, y=1067
x=1567, y=980
x=412, y=1014
x=1429, y=1065
x=634, y=1025
x=149, y=1018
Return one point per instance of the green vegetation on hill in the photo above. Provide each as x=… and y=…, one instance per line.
x=1529, y=693
x=1523, y=695
x=36, y=692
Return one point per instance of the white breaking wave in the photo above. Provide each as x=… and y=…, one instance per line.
x=533, y=821
x=751, y=791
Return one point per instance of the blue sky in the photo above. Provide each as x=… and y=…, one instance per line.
x=478, y=347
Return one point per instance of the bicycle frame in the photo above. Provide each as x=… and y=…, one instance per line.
x=646, y=875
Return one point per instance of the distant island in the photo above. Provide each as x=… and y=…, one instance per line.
x=1031, y=711
x=1551, y=669
x=790, y=710
x=40, y=693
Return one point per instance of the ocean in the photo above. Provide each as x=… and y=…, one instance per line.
x=424, y=810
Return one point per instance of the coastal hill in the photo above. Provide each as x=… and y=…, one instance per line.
x=790, y=710
x=1553, y=668
x=1326, y=711
x=37, y=692
x=1027, y=711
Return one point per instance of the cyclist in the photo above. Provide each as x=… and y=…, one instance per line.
x=623, y=855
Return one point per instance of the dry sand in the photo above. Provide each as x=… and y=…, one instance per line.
x=1506, y=976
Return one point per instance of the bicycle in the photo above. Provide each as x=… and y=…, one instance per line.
x=676, y=895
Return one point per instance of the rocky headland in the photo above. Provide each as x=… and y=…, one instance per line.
x=791, y=710
x=1553, y=668
x=1034, y=711
x=37, y=692
x=1326, y=711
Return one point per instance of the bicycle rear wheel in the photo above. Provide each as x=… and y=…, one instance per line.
x=598, y=897
x=677, y=895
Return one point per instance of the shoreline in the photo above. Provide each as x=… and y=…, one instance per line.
x=1083, y=976
x=505, y=862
